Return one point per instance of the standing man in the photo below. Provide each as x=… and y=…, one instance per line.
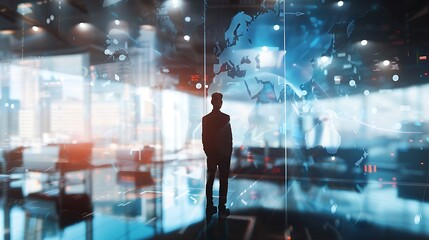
x=217, y=144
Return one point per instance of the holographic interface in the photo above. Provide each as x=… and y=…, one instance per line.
x=101, y=108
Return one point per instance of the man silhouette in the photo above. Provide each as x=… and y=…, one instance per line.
x=217, y=144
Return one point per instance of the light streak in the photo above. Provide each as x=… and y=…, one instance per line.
x=193, y=199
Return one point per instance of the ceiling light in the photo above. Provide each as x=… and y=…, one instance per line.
x=176, y=3
x=24, y=8
x=148, y=27
x=84, y=26
x=386, y=62
x=7, y=31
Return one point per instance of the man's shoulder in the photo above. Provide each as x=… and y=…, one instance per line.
x=216, y=115
x=206, y=116
x=225, y=115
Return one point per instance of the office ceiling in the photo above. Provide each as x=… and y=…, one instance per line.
x=403, y=25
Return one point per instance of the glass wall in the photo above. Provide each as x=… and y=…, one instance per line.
x=121, y=80
x=144, y=78
x=327, y=99
x=361, y=121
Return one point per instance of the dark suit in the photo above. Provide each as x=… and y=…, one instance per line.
x=217, y=144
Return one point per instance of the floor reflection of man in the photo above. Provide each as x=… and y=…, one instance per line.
x=217, y=144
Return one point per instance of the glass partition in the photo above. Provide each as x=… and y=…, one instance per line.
x=246, y=61
x=46, y=100
x=361, y=117
x=327, y=101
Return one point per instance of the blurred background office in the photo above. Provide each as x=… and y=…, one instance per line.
x=101, y=104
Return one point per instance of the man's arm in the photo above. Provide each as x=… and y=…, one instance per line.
x=207, y=136
x=204, y=135
x=229, y=135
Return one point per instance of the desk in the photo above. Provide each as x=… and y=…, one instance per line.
x=55, y=161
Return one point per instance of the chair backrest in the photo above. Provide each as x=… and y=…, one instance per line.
x=40, y=158
x=130, y=156
x=76, y=152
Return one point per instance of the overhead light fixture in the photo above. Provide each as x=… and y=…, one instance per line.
x=148, y=27
x=386, y=63
x=176, y=3
x=395, y=78
x=7, y=31
x=84, y=26
x=363, y=42
x=24, y=8
x=35, y=28
x=340, y=3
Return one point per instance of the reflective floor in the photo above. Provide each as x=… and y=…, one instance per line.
x=156, y=201
x=167, y=201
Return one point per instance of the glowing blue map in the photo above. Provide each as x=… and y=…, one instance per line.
x=252, y=68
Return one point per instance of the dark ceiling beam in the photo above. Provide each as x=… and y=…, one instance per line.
x=13, y=16
x=4, y=12
x=79, y=5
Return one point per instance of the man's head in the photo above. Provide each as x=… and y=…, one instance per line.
x=217, y=100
